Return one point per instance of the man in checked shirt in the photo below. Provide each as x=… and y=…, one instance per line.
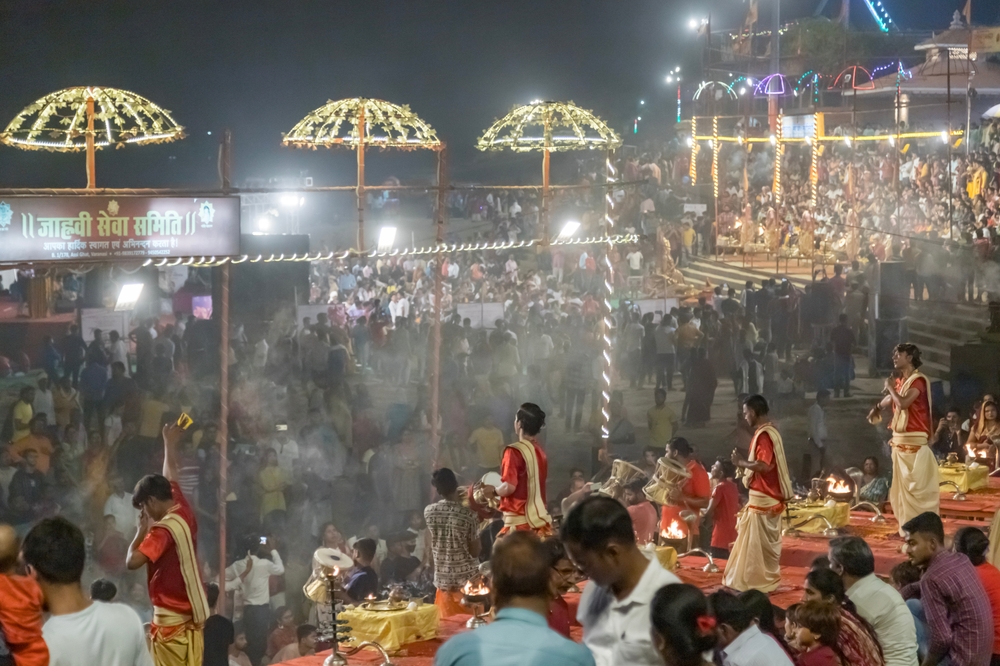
x=959, y=617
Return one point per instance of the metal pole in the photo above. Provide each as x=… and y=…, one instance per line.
x=435, y=365
x=948, y=141
x=223, y=275
x=91, y=161
x=361, y=180
x=968, y=90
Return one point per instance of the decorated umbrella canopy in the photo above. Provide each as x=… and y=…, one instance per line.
x=548, y=127
x=359, y=122
x=88, y=118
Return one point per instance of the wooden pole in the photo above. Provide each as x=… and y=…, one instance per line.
x=91, y=161
x=223, y=275
x=361, y=180
x=435, y=365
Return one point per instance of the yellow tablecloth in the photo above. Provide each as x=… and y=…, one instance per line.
x=966, y=478
x=839, y=515
x=393, y=629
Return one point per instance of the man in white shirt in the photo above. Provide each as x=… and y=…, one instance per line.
x=120, y=506
x=876, y=601
x=399, y=306
x=634, y=262
x=252, y=577
x=79, y=632
x=741, y=642
x=817, y=423
x=614, y=609
x=286, y=447
x=44, y=402
x=119, y=351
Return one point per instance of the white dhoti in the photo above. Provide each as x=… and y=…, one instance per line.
x=754, y=560
x=914, y=488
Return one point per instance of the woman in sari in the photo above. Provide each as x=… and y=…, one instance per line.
x=985, y=433
x=875, y=488
x=858, y=641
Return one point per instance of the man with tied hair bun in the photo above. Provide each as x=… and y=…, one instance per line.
x=523, y=471
x=914, y=488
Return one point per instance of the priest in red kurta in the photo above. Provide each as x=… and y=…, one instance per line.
x=523, y=471
x=914, y=488
x=754, y=561
x=165, y=544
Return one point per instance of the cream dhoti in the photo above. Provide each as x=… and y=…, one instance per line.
x=754, y=560
x=914, y=488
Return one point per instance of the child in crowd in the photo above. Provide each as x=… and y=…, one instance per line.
x=103, y=589
x=21, y=610
x=818, y=628
x=237, y=656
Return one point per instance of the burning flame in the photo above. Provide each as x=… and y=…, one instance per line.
x=336, y=572
x=370, y=597
x=674, y=531
x=837, y=486
x=479, y=590
x=973, y=453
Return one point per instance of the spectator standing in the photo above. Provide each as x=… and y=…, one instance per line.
x=615, y=607
x=79, y=632
x=843, y=340
x=219, y=632
x=454, y=542
x=74, y=350
x=251, y=576
x=818, y=433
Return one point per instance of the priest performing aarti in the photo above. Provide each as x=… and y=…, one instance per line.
x=753, y=561
x=914, y=488
x=523, y=471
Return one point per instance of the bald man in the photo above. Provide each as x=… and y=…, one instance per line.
x=21, y=611
x=520, y=634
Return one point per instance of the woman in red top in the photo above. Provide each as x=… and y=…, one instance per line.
x=562, y=573
x=723, y=507
x=971, y=541
x=283, y=634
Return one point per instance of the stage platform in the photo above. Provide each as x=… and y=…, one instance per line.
x=797, y=554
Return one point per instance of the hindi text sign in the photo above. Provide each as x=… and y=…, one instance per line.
x=117, y=227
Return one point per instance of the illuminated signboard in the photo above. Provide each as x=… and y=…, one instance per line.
x=117, y=227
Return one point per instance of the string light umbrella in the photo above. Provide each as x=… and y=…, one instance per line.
x=87, y=119
x=548, y=127
x=360, y=122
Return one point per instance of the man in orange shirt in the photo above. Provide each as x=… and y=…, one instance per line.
x=696, y=492
x=753, y=561
x=165, y=544
x=21, y=611
x=642, y=512
x=523, y=471
x=36, y=440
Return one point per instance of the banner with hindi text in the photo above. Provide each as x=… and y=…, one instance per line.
x=111, y=227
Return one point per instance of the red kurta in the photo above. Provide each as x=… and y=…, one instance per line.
x=727, y=505
x=698, y=485
x=768, y=482
x=166, y=584
x=918, y=414
x=514, y=470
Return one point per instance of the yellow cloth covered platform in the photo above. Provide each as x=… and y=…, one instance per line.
x=667, y=555
x=839, y=515
x=965, y=477
x=392, y=629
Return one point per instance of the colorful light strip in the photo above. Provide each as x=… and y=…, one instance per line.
x=609, y=207
x=779, y=149
x=693, y=167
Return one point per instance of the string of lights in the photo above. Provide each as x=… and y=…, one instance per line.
x=609, y=206
x=340, y=255
x=693, y=167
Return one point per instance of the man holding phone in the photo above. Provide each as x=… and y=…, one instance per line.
x=252, y=576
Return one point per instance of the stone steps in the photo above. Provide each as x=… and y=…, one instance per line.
x=933, y=327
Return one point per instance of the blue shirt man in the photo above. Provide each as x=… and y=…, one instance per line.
x=517, y=637
x=520, y=634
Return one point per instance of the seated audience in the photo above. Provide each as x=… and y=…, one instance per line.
x=740, y=640
x=684, y=629
x=304, y=645
x=971, y=542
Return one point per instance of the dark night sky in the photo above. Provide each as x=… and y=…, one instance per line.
x=257, y=67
